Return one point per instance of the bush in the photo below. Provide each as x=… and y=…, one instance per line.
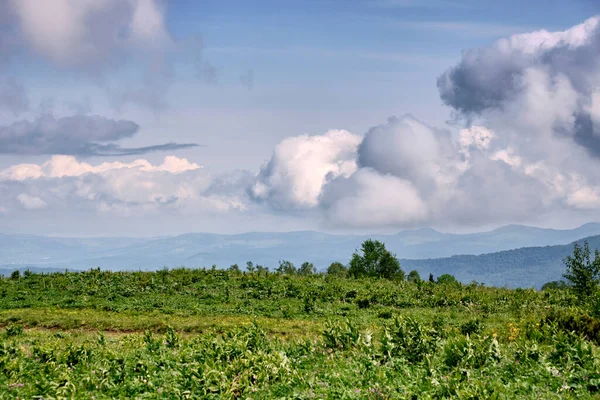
x=412, y=340
x=385, y=314
x=13, y=330
x=363, y=303
x=574, y=322
x=471, y=327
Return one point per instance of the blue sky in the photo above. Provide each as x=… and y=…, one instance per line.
x=242, y=80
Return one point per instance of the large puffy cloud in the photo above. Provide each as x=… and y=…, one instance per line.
x=75, y=135
x=529, y=151
x=88, y=32
x=408, y=149
x=405, y=173
x=300, y=167
x=369, y=199
x=413, y=175
x=541, y=83
x=176, y=185
x=94, y=38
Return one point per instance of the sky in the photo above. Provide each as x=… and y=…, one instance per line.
x=155, y=117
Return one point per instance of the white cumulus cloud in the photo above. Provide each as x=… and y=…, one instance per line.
x=302, y=165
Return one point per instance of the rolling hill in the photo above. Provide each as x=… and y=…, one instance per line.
x=511, y=255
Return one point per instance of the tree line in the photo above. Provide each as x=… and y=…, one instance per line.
x=371, y=260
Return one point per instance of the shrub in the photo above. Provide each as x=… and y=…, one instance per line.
x=13, y=330
x=471, y=327
x=412, y=340
x=363, y=303
x=337, y=269
x=571, y=321
x=341, y=336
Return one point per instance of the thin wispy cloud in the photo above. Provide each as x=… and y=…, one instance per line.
x=79, y=135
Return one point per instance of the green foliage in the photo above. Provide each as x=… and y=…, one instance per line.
x=412, y=340
x=15, y=275
x=374, y=260
x=215, y=334
x=573, y=321
x=286, y=268
x=471, y=327
x=413, y=276
x=555, y=285
x=582, y=272
x=307, y=269
x=447, y=279
x=337, y=270
x=250, y=267
x=13, y=330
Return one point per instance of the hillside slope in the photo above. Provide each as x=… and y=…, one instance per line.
x=524, y=267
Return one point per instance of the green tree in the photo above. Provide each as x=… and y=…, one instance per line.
x=234, y=268
x=554, y=285
x=447, y=279
x=286, y=267
x=375, y=261
x=307, y=268
x=582, y=272
x=250, y=266
x=337, y=269
x=260, y=269
x=413, y=276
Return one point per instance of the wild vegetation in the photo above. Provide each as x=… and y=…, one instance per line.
x=293, y=333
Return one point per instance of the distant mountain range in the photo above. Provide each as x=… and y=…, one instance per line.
x=426, y=250
x=524, y=267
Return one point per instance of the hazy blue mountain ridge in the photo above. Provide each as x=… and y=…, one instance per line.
x=488, y=257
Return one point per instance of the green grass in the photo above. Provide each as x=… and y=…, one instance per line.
x=217, y=334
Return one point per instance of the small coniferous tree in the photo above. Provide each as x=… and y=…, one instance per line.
x=431, y=278
x=583, y=273
x=375, y=261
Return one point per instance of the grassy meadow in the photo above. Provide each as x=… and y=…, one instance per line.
x=228, y=334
